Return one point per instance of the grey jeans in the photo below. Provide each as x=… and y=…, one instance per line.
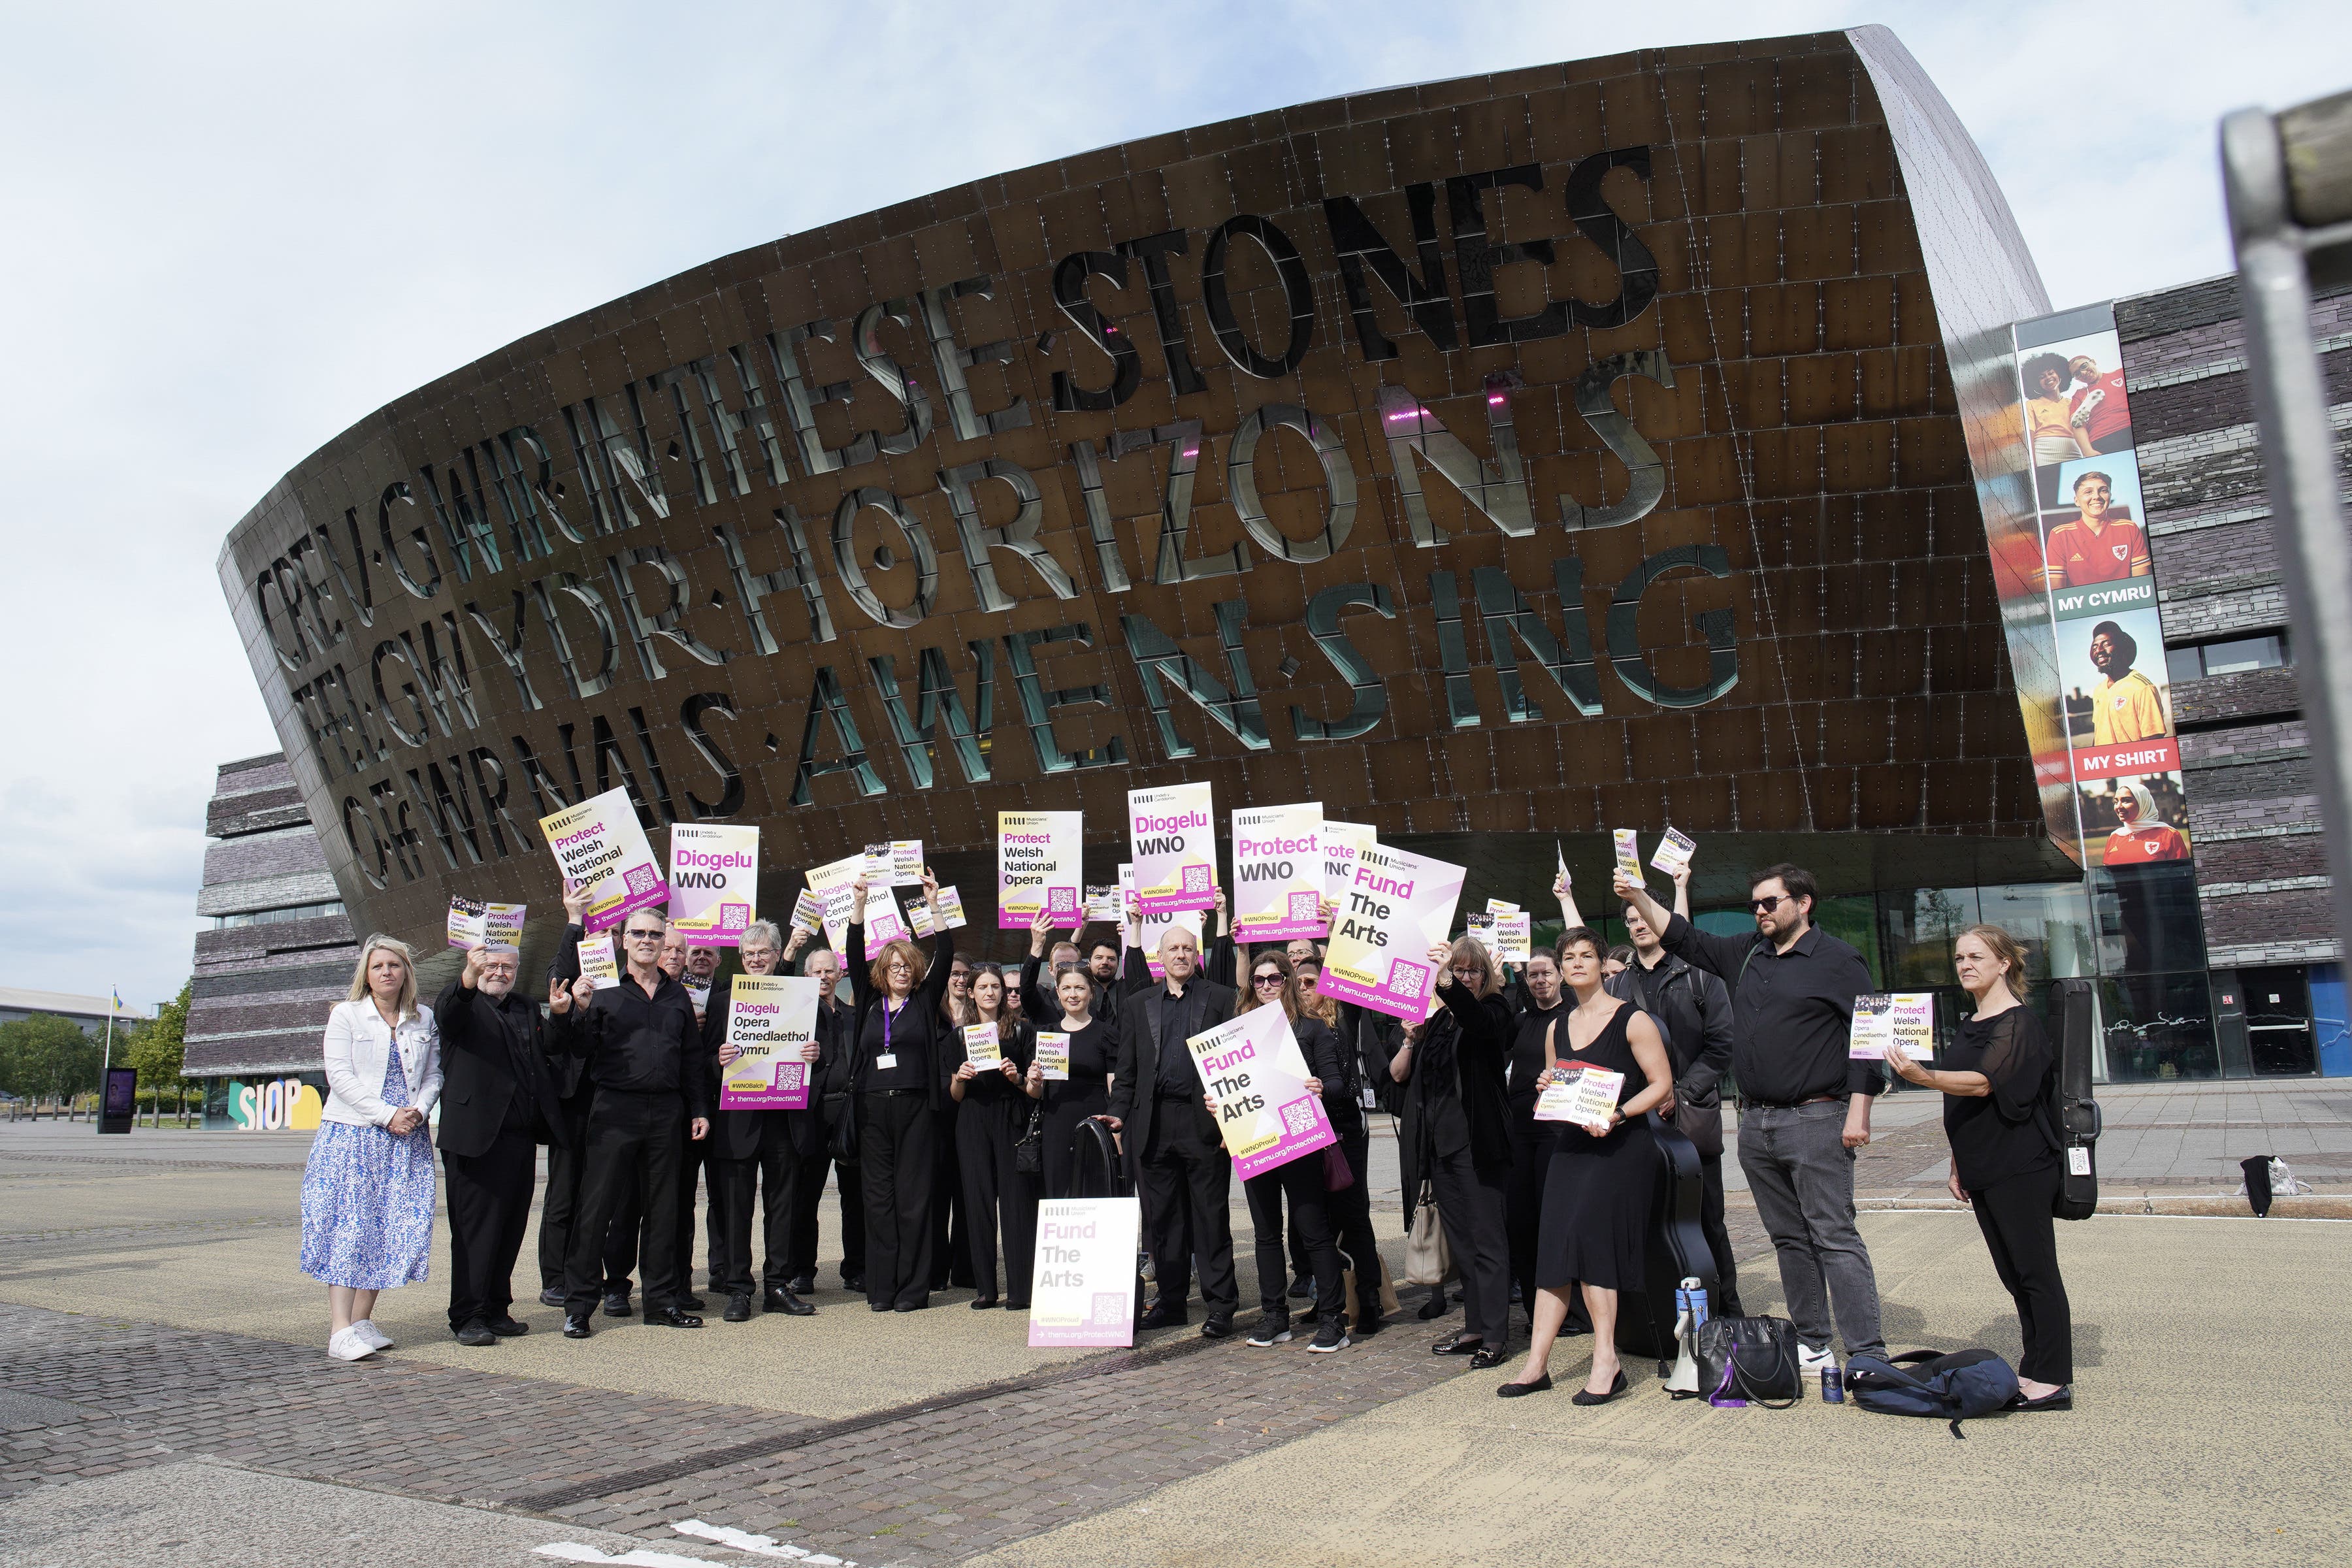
x=1801, y=1175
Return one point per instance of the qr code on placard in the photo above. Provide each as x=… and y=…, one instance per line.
x=1196, y=879
x=1304, y=906
x=639, y=879
x=734, y=917
x=1110, y=1308
x=1298, y=1118
x=1407, y=978
x=1061, y=900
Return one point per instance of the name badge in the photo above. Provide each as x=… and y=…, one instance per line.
x=885, y=1063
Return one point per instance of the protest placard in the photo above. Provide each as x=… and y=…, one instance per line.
x=906, y=862
x=1595, y=1099
x=1037, y=866
x=497, y=927
x=1103, y=903
x=980, y=1047
x=1479, y=926
x=878, y=867
x=1052, y=1057
x=714, y=879
x=600, y=845
x=1515, y=937
x=1674, y=851
x=1253, y=1068
x=808, y=912
x=1629, y=852
x=1501, y=907
x=834, y=885
x=1906, y=1018
x=1083, y=1292
x=1279, y=872
x=1171, y=835
x=697, y=992
x=597, y=964
x=1343, y=842
x=951, y=913
x=771, y=1019
x=1396, y=908
x=885, y=923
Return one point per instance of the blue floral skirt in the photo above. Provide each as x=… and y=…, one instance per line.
x=367, y=1207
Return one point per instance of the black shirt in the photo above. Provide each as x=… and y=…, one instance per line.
x=924, y=1047
x=1998, y=1135
x=1791, y=1013
x=988, y=1085
x=1179, y=1077
x=640, y=1043
x=1525, y=1066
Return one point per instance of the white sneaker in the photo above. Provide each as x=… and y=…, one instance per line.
x=1811, y=1361
x=346, y=1344
x=377, y=1340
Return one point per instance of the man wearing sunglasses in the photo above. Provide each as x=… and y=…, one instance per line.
x=1804, y=1108
x=653, y=1081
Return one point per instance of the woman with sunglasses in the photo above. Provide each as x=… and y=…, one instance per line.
x=1456, y=1137
x=1301, y=1180
x=1597, y=1189
x=904, y=1050
x=1094, y=1049
x=1352, y=1206
x=991, y=1114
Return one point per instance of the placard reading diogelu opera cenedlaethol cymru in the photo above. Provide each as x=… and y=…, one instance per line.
x=599, y=844
x=1175, y=845
x=714, y=879
x=1397, y=907
x=1279, y=872
x=771, y=1019
x=1251, y=1067
x=1037, y=857
x=1084, y=1290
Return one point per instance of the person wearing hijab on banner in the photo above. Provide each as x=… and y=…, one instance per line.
x=653, y=1094
x=2049, y=415
x=1181, y=1169
x=1094, y=1050
x=2141, y=836
x=367, y=1187
x=1999, y=1089
x=830, y=1098
x=992, y=1113
x=1457, y=1136
x=905, y=1049
x=2102, y=546
x=1601, y=1180
x=2126, y=706
x=498, y=1105
x=769, y=1149
x=1302, y=1181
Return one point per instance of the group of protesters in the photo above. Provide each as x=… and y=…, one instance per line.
x=940, y=1163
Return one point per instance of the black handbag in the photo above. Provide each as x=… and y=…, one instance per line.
x=840, y=1129
x=1029, y=1148
x=1754, y=1359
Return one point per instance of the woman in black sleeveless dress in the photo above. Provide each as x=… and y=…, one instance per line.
x=1596, y=1205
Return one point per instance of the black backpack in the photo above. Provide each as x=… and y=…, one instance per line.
x=1954, y=1388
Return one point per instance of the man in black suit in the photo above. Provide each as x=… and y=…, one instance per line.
x=1179, y=1162
x=834, y=1060
x=498, y=1105
x=574, y=1092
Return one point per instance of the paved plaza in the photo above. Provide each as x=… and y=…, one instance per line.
x=164, y=1399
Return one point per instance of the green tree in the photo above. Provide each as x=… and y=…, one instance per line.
x=158, y=1047
x=44, y=1057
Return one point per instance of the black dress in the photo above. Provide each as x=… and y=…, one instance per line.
x=1597, y=1194
x=1087, y=1092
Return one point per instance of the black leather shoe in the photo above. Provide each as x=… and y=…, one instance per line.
x=910, y=1306
x=981, y=1303
x=804, y=1285
x=2061, y=1400
x=1521, y=1390
x=551, y=1297
x=781, y=1299
x=575, y=1326
x=477, y=1334
x=617, y=1305
x=738, y=1309
x=1434, y=1306
x=1159, y=1316
x=877, y=1306
x=670, y=1318
x=1217, y=1326
x=508, y=1327
x=1486, y=1356
x=1366, y=1327
x=692, y=1302
x=1459, y=1344
x=854, y=1283
x=1582, y=1397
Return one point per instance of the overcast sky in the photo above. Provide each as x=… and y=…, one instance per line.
x=236, y=229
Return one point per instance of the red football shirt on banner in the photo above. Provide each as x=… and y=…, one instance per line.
x=2100, y=408
x=2079, y=557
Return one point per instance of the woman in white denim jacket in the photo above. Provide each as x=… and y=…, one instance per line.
x=368, y=1189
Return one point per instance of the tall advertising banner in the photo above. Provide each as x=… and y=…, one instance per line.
x=1279, y=872
x=771, y=1018
x=1174, y=843
x=1084, y=1290
x=599, y=845
x=714, y=880
x=1251, y=1067
x=1037, y=866
x=1397, y=906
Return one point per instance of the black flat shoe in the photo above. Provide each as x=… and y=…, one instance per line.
x=551, y=1297
x=910, y=1306
x=854, y=1283
x=617, y=1305
x=1521, y=1390
x=1434, y=1306
x=738, y=1309
x=1301, y=1287
x=575, y=1326
x=1458, y=1345
x=1217, y=1326
x=508, y=1327
x=877, y=1306
x=804, y=1285
x=981, y=1303
x=477, y=1334
x=1486, y=1356
x=781, y=1299
x=1365, y=1328
x=2061, y=1400
x=1156, y=1316
x=1582, y=1396
x=671, y=1317
x=691, y=1302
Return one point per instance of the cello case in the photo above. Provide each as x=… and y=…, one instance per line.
x=1674, y=1249
x=2074, y=1031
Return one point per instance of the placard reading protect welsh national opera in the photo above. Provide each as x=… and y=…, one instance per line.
x=714, y=879
x=473, y=923
x=1398, y=906
x=1175, y=847
x=1279, y=872
x=1251, y=1067
x=771, y=1019
x=1084, y=1290
x=599, y=845
x=1037, y=855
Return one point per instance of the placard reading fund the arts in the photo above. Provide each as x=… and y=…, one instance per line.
x=1251, y=1067
x=1083, y=1292
x=714, y=879
x=1037, y=866
x=1279, y=872
x=1396, y=907
x=1175, y=848
x=599, y=845
x=771, y=1019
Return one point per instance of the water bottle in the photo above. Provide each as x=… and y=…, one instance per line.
x=1833, y=1384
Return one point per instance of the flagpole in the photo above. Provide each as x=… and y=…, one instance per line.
x=107, y=1063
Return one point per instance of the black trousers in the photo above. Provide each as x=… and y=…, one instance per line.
x=1718, y=1239
x=1300, y=1182
x=556, y=1210
x=633, y=1144
x=898, y=1153
x=624, y=1236
x=1472, y=1204
x=951, y=1239
x=997, y=1196
x=808, y=1198
x=774, y=1171
x=1185, y=1179
x=2022, y=1236
x=489, y=1206
x=1351, y=1223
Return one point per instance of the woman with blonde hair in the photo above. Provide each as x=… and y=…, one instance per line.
x=367, y=1189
